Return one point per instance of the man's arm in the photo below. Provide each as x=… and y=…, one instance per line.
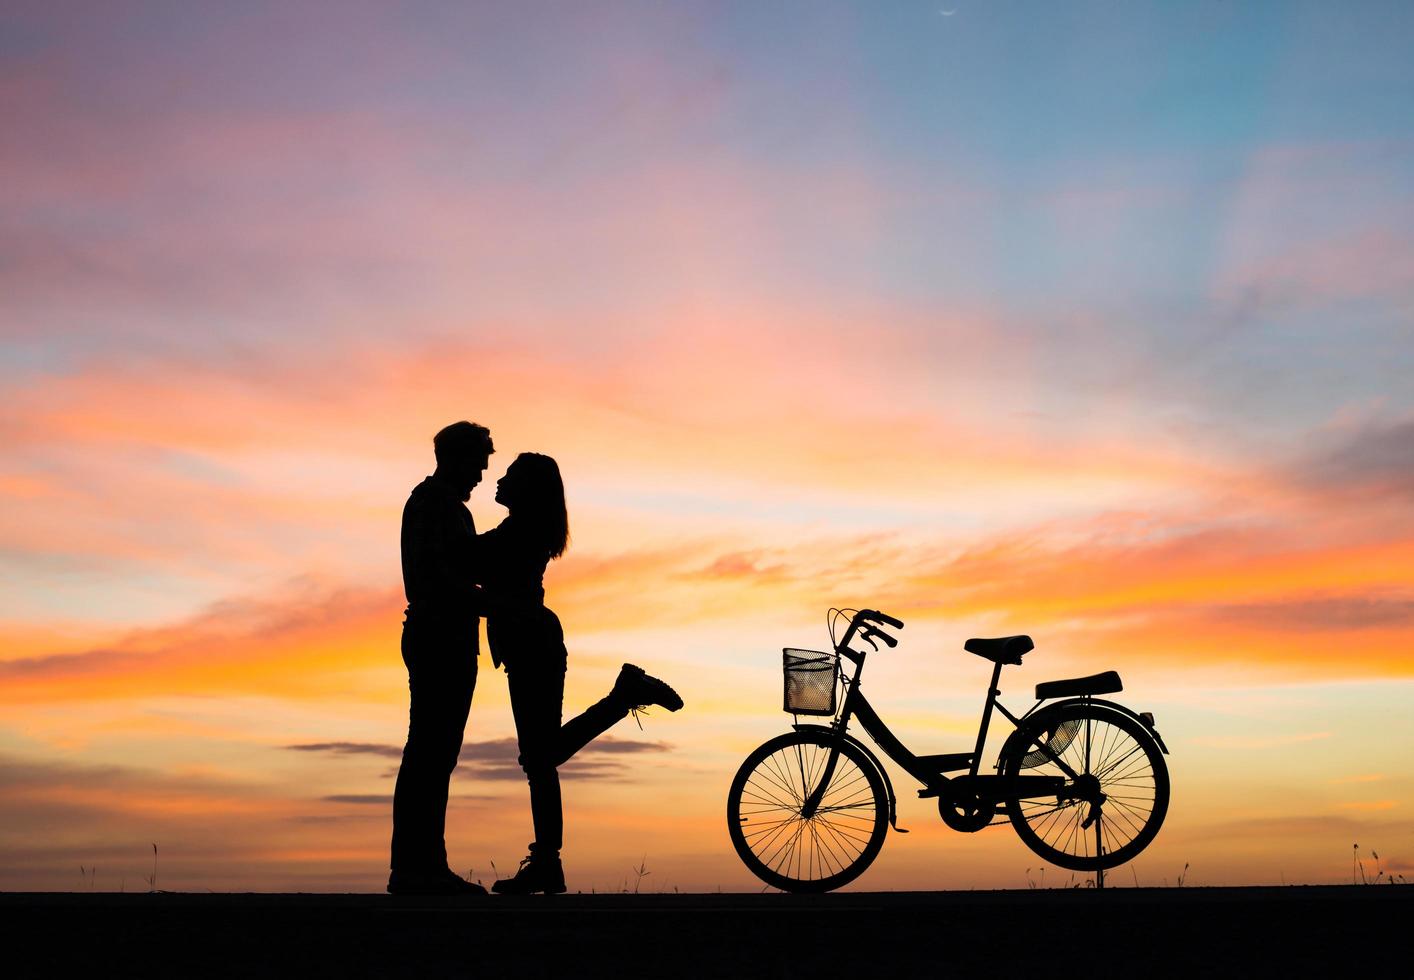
x=463, y=557
x=447, y=552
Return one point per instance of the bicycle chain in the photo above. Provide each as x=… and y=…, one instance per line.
x=1006, y=819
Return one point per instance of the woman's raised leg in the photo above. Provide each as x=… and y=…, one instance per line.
x=632, y=690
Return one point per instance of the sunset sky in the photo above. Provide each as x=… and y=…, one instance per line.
x=1089, y=321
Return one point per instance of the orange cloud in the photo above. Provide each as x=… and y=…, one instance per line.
x=303, y=645
x=1277, y=597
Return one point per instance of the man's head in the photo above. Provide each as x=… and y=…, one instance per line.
x=463, y=450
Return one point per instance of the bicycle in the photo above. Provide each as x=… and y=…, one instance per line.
x=1082, y=780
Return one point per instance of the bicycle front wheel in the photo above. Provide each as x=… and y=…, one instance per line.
x=777, y=842
x=1115, y=804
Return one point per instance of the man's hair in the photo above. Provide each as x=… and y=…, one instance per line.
x=460, y=440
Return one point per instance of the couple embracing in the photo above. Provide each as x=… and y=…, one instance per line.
x=453, y=577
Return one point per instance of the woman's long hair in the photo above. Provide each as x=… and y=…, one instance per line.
x=541, y=499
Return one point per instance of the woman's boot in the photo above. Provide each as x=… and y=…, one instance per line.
x=537, y=873
x=636, y=689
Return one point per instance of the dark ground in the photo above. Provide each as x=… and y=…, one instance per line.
x=1140, y=932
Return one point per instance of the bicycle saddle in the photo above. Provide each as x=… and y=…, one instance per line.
x=1002, y=650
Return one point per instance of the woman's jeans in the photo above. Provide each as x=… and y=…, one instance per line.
x=440, y=654
x=537, y=686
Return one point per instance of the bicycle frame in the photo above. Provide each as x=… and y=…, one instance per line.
x=930, y=770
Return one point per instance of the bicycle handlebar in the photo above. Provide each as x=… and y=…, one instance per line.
x=860, y=624
x=879, y=617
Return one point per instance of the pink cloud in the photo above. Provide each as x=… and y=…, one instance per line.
x=1374, y=262
x=1321, y=222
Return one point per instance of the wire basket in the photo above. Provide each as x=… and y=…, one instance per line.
x=810, y=681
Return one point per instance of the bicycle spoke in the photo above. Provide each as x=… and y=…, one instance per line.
x=769, y=788
x=858, y=798
x=1087, y=744
x=780, y=779
x=779, y=840
x=844, y=811
x=831, y=862
x=800, y=768
x=787, y=848
x=1108, y=737
x=1104, y=773
x=843, y=838
x=765, y=786
x=808, y=771
x=1055, y=818
x=1133, y=819
x=1137, y=770
x=786, y=779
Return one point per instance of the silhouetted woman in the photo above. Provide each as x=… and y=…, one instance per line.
x=526, y=637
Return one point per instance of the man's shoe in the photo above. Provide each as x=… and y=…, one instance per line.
x=638, y=689
x=445, y=882
x=536, y=874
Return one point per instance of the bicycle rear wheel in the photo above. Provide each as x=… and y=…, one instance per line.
x=1116, y=806
x=787, y=850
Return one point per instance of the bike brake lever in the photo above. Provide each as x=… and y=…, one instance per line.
x=869, y=639
x=869, y=632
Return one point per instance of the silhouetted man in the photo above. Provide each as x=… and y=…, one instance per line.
x=440, y=648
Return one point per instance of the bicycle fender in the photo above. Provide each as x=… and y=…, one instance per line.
x=1115, y=706
x=878, y=766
